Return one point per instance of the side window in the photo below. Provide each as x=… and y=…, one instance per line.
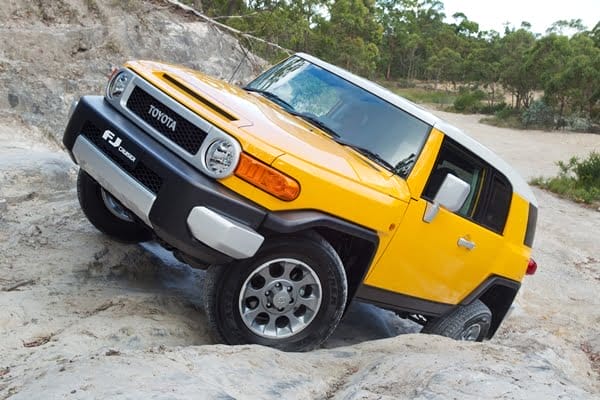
x=488, y=201
x=494, y=210
x=454, y=159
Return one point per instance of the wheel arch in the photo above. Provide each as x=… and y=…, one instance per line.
x=355, y=245
x=497, y=294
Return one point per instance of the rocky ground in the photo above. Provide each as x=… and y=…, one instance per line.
x=84, y=317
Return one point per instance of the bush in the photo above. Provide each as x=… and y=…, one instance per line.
x=506, y=117
x=489, y=109
x=577, y=123
x=577, y=179
x=505, y=113
x=538, y=115
x=405, y=83
x=588, y=170
x=469, y=100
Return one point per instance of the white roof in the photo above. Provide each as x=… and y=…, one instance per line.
x=519, y=185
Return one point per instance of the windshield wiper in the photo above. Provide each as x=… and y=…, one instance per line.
x=315, y=121
x=271, y=96
x=371, y=155
x=404, y=165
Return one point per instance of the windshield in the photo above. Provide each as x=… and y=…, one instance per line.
x=352, y=116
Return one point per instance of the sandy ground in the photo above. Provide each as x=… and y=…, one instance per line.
x=84, y=317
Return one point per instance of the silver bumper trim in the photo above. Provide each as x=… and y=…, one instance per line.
x=127, y=190
x=223, y=234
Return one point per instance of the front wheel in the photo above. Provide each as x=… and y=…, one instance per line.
x=107, y=214
x=291, y=295
x=470, y=322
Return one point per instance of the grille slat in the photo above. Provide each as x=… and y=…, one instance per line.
x=141, y=173
x=185, y=134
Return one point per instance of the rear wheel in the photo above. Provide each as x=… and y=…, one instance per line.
x=290, y=295
x=470, y=322
x=107, y=214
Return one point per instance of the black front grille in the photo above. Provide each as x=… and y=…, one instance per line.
x=140, y=172
x=182, y=132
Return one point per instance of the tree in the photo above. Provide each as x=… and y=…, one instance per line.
x=517, y=76
x=483, y=63
x=582, y=71
x=559, y=27
x=351, y=36
x=547, y=60
x=446, y=65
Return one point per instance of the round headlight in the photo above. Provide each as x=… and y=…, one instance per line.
x=117, y=85
x=221, y=158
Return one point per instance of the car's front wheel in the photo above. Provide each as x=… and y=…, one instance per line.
x=290, y=295
x=107, y=214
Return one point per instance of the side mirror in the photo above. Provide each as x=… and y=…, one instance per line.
x=451, y=195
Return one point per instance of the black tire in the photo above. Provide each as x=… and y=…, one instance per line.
x=89, y=193
x=470, y=322
x=223, y=296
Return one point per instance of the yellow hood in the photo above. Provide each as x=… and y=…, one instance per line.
x=251, y=117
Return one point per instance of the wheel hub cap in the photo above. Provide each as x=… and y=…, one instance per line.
x=281, y=300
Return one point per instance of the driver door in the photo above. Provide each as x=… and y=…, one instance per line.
x=445, y=259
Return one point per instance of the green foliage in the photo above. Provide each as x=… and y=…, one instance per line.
x=538, y=115
x=351, y=36
x=577, y=179
x=577, y=123
x=588, y=170
x=408, y=40
x=516, y=74
x=469, y=100
x=506, y=117
x=493, y=109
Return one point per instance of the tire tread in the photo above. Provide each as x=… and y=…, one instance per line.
x=452, y=324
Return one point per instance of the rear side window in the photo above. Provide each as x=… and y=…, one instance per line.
x=494, y=210
x=490, y=196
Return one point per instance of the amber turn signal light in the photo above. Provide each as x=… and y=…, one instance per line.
x=267, y=178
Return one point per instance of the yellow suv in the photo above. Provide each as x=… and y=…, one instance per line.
x=307, y=189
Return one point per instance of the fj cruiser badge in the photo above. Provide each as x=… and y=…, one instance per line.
x=161, y=117
x=115, y=142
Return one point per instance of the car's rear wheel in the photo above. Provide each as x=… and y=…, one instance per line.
x=470, y=322
x=290, y=295
x=107, y=214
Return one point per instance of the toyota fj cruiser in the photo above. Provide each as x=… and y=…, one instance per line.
x=304, y=190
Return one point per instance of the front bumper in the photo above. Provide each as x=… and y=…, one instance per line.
x=186, y=209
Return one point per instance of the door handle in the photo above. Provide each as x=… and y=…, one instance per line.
x=467, y=244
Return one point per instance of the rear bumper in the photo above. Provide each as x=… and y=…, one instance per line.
x=186, y=209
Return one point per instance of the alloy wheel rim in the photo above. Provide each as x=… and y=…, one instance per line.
x=280, y=298
x=471, y=333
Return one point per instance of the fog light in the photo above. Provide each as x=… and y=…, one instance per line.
x=221, y=158
x=117, y=85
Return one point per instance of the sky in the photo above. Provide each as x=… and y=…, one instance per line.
x=492, y=14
